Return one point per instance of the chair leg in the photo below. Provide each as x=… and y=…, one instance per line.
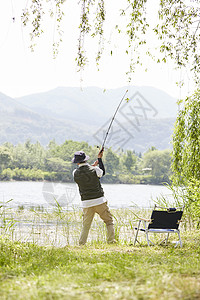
x=166, y=239
x=148, y=240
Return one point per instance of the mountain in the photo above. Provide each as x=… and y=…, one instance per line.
x=19, y=123
x=94, y=105
x=145, y=120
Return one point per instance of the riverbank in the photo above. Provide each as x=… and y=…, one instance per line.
x=100, y=271
x=21, y=174
x=30, y=161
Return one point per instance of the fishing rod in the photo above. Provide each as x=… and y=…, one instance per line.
x=103, y=144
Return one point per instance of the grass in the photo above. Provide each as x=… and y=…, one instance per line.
x=100, y=271
x=40, y=259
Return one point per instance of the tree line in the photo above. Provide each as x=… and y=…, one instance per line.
x=32, y=161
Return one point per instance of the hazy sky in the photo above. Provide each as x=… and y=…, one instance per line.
x=24, y=72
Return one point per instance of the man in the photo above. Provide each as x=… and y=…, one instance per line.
x=92, y=195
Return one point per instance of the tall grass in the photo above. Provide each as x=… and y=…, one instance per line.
x=59, y=227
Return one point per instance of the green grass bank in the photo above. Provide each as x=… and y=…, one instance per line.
x=100, y=271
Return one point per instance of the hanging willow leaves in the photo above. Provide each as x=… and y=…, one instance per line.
x=177, y=29
x=136, y=31
x=186, y=141
x=33, y=15
x=100, y=18
x=90, y=26
x=186, y=153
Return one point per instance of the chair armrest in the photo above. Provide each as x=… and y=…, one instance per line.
x=146, y=220
x=142, y=219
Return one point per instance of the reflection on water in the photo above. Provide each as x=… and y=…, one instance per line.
x=48, y=194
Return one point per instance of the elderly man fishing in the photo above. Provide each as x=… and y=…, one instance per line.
x=92, y=195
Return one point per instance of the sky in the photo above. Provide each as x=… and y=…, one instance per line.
x=24, y=72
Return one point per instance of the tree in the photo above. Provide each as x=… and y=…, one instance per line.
x=158, y=162
x=55, y=164
x=186, y=141
x=129, y=159
x=111, y=162
x=176, y=26
x=68, y=148
x=5, y=157
x=186, y=149
x=28, y=155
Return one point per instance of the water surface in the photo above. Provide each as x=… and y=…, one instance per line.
x=46, y=194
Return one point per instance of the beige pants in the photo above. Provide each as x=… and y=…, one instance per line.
x=105, y=215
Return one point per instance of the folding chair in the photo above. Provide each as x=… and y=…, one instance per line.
x=163, y=220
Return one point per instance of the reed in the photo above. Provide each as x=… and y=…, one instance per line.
x=60, y=226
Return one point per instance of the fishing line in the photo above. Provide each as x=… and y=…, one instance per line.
x=9, y=26
x=6, y=35
x=13, y=11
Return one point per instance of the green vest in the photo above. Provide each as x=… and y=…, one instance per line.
x=88, y=183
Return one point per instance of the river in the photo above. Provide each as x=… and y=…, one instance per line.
x=46, y=194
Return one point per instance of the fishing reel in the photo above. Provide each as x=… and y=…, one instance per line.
x=102, y=148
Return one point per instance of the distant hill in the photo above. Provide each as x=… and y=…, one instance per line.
x=94, y=105
x=19, y=123
x=146, y=120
